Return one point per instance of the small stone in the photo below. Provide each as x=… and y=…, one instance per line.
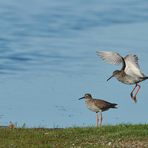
x=109, y=143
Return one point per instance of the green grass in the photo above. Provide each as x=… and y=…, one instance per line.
x=86, y=137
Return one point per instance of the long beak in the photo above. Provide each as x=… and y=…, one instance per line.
x=81, y=98
x=110, y=77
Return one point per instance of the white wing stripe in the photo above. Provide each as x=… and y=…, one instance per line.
x=132, y=67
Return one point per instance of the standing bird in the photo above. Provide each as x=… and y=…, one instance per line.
x=97, y=105
x=130, y=72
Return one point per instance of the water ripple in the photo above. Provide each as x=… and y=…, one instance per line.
x=30, y=34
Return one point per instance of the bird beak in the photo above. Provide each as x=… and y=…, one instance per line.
x=110, y=77
x=81, y=98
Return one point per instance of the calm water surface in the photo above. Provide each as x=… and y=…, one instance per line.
x=48, y=60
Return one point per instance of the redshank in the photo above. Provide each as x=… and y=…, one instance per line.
x=130, y=72
x=97, y=105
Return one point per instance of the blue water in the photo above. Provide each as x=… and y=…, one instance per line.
x=48, y=60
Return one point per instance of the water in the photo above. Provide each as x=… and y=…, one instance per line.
x=48, y=60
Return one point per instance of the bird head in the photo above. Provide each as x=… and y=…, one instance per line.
x=86, y=96
x=115, y=73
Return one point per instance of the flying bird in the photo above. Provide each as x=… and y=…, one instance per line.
x=130, y=72
x=97, y=105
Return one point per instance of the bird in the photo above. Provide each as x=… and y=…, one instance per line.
x=97, y=105
x=11, y=125
x=130, y=72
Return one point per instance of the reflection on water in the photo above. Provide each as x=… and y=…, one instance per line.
x=46, y=45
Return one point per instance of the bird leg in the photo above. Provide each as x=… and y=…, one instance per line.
x=97, y=119
x=100, y=118
x=133, y=91
x=136, y=92
x=134, y=97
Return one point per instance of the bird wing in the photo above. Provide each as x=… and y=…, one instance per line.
x=132, y=67
x=110, y=57
x=102, y=104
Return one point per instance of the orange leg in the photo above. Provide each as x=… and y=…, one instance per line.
x=100, y=118
x=97, y=119
x=134, y=97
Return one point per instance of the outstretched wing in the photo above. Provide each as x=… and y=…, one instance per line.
x=110, y=57
x=132, y=67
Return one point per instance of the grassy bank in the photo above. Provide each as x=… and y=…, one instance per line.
x=87, y=137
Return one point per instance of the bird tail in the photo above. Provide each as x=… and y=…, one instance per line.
x=114, y=105
x=144, y=78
